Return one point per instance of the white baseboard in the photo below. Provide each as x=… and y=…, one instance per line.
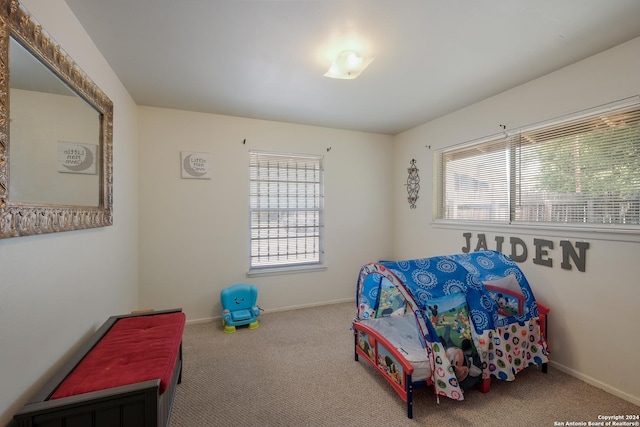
x=596, y=383
x=203, y=320
x=315, y=304
x=275, y=310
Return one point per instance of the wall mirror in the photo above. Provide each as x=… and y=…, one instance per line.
x=56, y=130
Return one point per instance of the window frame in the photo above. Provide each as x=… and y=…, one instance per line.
x=312, y=217
x=511, y=139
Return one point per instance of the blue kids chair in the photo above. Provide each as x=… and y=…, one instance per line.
x=239, y=307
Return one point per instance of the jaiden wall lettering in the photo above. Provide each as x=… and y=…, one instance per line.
x=519, y=251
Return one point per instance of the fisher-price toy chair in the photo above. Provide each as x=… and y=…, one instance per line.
x=239, y=307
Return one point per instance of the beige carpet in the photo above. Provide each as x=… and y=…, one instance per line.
x=298, y=369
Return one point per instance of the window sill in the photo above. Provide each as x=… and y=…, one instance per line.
x=276, y=271
x=615, y=233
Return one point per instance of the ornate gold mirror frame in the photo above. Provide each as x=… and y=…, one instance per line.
x=19, y=218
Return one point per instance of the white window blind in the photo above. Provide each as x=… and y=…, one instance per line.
x=285, y=202
x=581, y=170
x=473, y=182
x=584, y=171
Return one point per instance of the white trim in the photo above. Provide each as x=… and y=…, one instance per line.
x=470, y=143
x=589, y=112
x=313, y=304
x=275, y=271
x=561, y=230
x=275, y=310
x=597, y=383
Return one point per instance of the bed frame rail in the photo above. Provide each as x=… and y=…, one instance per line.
x=387, y=360
x=543, y=311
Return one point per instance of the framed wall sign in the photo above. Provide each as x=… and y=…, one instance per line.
x=195, y=165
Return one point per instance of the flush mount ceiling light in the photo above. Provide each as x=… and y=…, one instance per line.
x=348, y=65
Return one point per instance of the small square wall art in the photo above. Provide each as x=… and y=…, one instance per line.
x=195, y=165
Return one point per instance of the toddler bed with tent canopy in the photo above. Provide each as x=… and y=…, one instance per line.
x=453, y=322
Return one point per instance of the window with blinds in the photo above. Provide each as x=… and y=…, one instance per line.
x=286, y=210
x=583, y=170
x=474, y=183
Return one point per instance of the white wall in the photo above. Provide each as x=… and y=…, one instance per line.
x=194, y=237
x=56, y=289
x=593, y=321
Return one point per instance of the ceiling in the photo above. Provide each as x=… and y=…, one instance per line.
x=265, y=59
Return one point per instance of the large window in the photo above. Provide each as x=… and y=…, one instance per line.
x=583, y=170
x=285, y=202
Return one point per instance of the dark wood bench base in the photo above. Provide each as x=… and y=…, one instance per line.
x=134, y=405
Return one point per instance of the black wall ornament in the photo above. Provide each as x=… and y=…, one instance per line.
x=413, y=184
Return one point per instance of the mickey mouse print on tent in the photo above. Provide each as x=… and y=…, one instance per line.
x=442, y=321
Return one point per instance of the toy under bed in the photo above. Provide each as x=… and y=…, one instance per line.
x=490, y=313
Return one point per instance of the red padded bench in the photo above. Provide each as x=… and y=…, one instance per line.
x=125, y=375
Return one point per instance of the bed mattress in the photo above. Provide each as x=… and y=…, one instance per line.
x=403, y=333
